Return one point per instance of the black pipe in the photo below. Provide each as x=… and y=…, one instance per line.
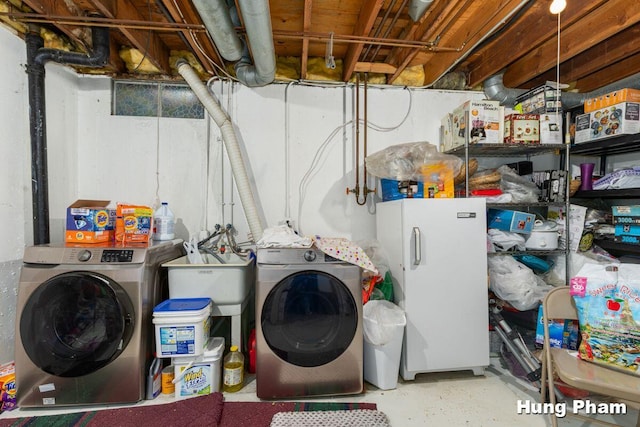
x=39, y=178
x=37, y=57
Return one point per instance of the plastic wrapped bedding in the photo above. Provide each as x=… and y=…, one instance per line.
x=623, y=178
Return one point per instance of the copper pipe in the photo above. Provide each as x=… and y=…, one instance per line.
x=94, y=21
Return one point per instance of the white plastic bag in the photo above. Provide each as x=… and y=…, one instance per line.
x=382, y=320
x=516, y=283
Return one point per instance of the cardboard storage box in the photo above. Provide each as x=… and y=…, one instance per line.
x=485, y=123
x=550, y=129
x=552, y=184
x=583, y=128
x=618, y=119
x=611, y=98
x=507, y=220
x=393, y=190
x=90, y=221
x=134, y=224
x=626, y=214
x=522, y=129
x=540, y=100
x=438, y=180
x=563, y=333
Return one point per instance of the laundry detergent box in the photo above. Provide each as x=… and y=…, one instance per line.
x=90, y=221
x=200, y=375
x=508, y=220
x=7, y=386
x=134, y=224
x=182, y=326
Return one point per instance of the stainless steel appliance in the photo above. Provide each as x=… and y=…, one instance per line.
x=438, y=259
x=84, y=332
x=308, y=324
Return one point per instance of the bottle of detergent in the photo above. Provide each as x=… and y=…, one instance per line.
x=163, y=223
x=233, y=372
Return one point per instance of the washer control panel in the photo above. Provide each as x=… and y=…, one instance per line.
x=117, y=255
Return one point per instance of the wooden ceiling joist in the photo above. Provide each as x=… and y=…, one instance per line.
x=147, y=42
x=609, y=19
x=366, y=19
x=200, y=43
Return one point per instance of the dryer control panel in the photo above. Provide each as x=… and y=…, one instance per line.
x=285, y=256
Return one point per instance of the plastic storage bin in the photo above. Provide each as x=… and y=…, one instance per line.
x=200, y=375
x=182, y=326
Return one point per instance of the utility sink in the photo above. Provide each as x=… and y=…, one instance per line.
x=227, y=283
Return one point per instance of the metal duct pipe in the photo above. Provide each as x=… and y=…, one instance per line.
x=494, y=89
x=218, y=19
x=231, y=144
x=417, y=8
x=37, y=57
x=257, y=20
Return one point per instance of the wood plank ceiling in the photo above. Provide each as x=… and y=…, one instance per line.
x=455, y=44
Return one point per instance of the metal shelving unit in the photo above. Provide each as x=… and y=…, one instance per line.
x=602, y=148
x=529, y=150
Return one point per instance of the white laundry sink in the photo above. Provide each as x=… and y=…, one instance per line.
x=226, y=284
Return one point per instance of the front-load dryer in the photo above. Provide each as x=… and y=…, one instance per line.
x=308, y=324
x=84, y=332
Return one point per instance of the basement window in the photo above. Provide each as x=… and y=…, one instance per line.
x=143, y=99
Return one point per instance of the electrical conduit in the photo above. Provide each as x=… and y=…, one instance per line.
x=231, y=144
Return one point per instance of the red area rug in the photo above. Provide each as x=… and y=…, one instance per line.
x=208, y=411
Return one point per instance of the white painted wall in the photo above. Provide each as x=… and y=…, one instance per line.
x=292, y=135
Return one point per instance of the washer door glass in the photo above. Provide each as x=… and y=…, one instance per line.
x=76, y=323
x=309, y=318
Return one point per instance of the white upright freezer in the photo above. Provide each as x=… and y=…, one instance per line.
x=437, y=255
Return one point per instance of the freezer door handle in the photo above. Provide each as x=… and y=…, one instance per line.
x=416, y=246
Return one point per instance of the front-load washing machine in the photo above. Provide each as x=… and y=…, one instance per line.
x=308, y=324
x=84, y=332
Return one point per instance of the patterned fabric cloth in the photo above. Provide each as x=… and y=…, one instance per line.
x=345, y=250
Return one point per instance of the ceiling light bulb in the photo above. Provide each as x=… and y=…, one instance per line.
x=557, y=6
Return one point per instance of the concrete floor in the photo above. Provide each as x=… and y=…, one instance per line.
x=434, y=399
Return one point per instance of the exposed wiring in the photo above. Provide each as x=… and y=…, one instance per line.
x=146, y=49
x=316, y=161
x=197, y=44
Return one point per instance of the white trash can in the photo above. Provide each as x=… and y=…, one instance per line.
x=384, y=324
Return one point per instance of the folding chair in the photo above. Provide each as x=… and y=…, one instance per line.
x=558, y=304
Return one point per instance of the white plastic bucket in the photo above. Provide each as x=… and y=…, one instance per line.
x=182, y=326
x=199, y=375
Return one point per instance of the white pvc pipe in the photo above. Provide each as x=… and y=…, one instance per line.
x=231, y=144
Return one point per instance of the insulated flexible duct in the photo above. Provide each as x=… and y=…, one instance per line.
x=231, y=144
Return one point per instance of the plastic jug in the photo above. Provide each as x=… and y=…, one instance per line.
x=233, y=377
x=163, y=223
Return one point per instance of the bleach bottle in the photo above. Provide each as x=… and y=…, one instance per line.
x=163, y=223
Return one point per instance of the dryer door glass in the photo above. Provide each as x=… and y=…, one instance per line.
x=309, y=318
x=76, y=323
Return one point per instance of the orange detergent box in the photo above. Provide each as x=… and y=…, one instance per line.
x=90, y=221
x=134, y=224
